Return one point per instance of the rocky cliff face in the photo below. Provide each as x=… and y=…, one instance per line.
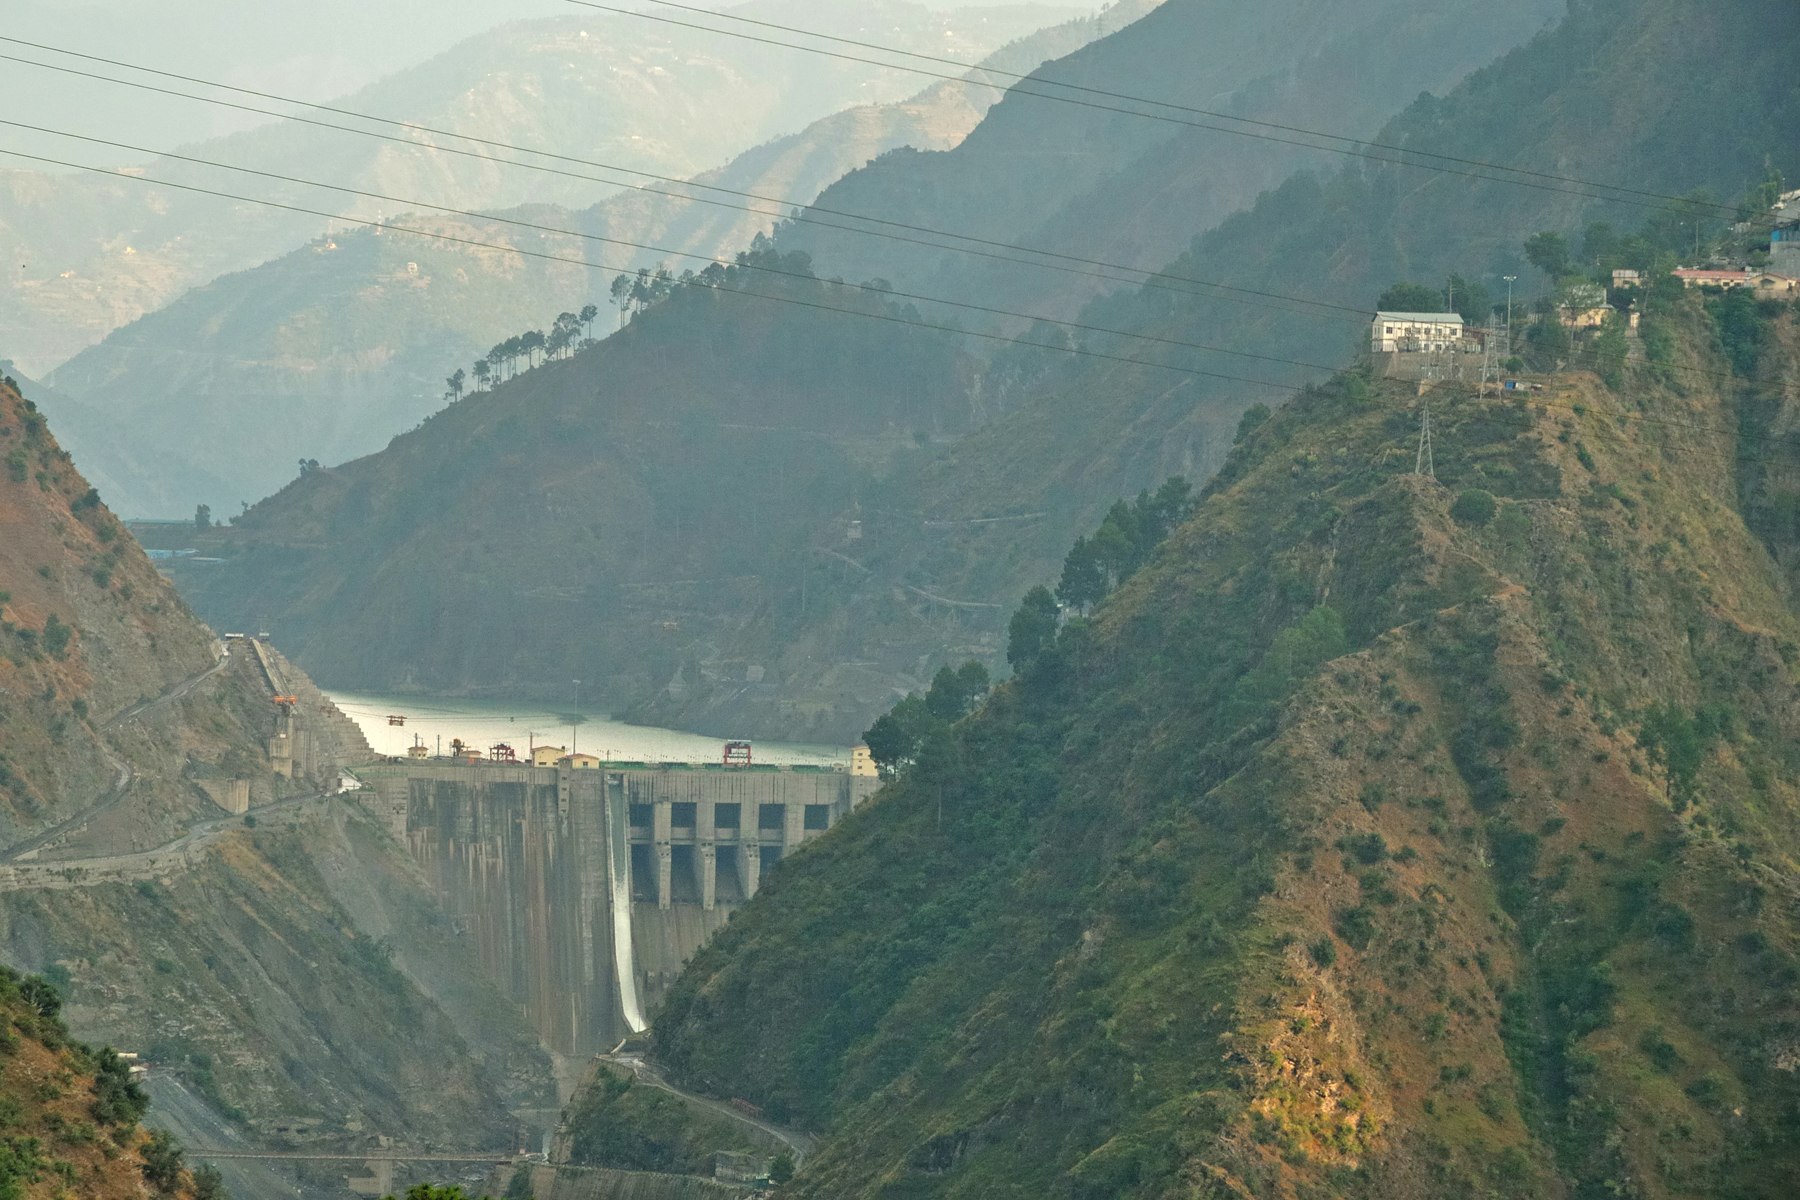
x=289, y=966
x=1386, y=836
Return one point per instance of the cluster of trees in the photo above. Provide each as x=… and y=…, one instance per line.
x=1095, y=566
x=895, y=739
x=1470, y=299
x=634, y=293
x=571, y=331
x=1122, y=544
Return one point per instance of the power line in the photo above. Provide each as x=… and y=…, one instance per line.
x=796, y=210
x=891, y=318
x=542, y=228
x=583, y=262
x=656, y=249
x=1152, y=279
x=594, y=237
x=1196, y=124
x=1035, y=77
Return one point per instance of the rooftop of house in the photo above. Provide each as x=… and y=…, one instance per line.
x=1421, y=318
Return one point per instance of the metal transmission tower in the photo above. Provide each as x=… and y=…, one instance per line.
x=1423, y=465
x=1509, y=283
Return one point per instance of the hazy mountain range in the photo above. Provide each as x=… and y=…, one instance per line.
x=329, y=351
x=681, y=498
x=86, y=254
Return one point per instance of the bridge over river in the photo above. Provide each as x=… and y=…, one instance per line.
x=585, y=890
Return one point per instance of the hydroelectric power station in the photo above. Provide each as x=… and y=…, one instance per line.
x=585, y=890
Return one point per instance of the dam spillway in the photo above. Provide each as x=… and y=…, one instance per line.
x=584, y=891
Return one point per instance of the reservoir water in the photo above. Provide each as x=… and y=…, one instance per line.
x=435, y=721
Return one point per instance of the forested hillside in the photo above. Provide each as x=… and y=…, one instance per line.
x=985, y=477
x=1097, y=180
x=1385, y=835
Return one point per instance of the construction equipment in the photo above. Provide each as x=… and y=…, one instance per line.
x=737, y=754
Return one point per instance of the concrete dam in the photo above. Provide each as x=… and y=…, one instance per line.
x=586, y=890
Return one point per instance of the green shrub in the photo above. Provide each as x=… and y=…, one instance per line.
x=1323, y=950
x=1474, y=507
x=1659, y=1049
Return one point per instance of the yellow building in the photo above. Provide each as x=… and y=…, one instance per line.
x=579, y=762
x=547, y=756
x=861, y=763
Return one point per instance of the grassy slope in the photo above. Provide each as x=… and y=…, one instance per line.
x=1072, y=952
x=614, y=1121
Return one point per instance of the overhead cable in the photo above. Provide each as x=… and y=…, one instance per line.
x=1175, y=120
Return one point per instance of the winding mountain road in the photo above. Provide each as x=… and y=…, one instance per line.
x=23, y=851
x=184, y=851
x=802, y=1144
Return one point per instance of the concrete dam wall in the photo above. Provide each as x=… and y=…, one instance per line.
x=585, y=891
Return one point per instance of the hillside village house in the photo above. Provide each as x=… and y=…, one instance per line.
x=1593, y=318
x=1693, y=277
x=1411, y=331
x=1768, y=284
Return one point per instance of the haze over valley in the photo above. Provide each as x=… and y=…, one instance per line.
x=658, y=602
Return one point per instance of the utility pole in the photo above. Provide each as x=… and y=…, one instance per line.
x=1509, y=283
x=574, y=715
x=1423, y=465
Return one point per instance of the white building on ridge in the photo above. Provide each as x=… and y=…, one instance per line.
x=1412, y=331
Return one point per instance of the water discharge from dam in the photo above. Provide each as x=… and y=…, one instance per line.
x=584, y=891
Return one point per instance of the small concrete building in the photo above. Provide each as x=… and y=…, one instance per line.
x=1691, y=277
x=1586, y=318
x=1407, y=332
x=579, y=762
x=1772, y=286
x=1626, y=278
x=861, y=761
x=1784, y=247
x=547, y=756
